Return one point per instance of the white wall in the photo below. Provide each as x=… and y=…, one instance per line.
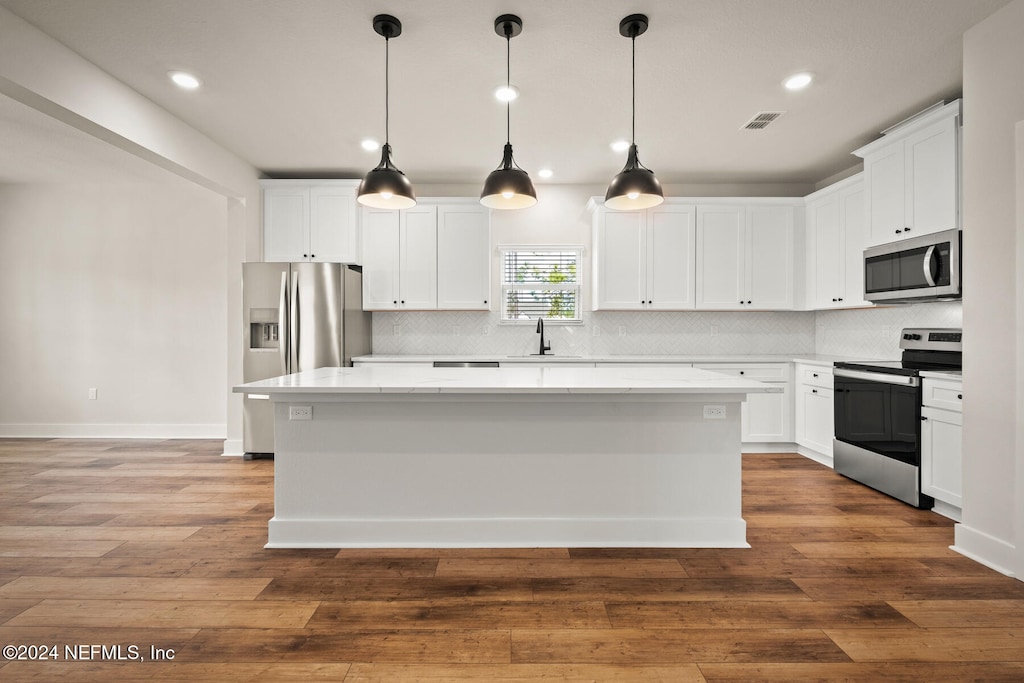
x=993, y=289
x=117, y=287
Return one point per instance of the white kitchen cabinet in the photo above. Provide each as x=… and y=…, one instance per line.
x=765, y=418
x=912, y=176
x=835, y=246
x=644, y=259
x=463, y=256
x=942, y=443
x=400, y=259
x=814, y=414
x=744, y=256
x=307, y=220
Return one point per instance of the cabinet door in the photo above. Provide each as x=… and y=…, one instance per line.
x=884, y=176
x=463, y=257
x=931, y=181
x=622, y=267
x=854, y=239
x=823, y=227
x=815, y=419
x=769, y=257
x=418, y=258
x=333, y=234
x=942, y=455
x=285, y=222
x=720, y=252
x=380, y=259
x=670, y=242
x=766, y=417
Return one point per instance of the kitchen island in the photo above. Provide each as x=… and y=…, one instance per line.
x=507, y=457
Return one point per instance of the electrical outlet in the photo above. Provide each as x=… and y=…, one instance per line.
x=714, y=330
x=396, y=330
x=485, y=330
x=622, y=330
x=92, y=394
x=714, y=412
x=300, y=412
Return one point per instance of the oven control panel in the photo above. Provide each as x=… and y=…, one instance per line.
x=932, y=339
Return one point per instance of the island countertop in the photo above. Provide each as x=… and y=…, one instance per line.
x=518, y=380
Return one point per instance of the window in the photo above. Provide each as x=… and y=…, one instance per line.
x=540, y=283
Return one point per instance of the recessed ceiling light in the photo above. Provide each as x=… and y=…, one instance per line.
x=545, y=173
x=184, y=80
x=620, y=145
x=506, y=93
x=798, y=81
x=370, y=145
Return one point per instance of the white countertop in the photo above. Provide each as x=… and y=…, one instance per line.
x=507, y=380
x=955, y=375
x=809, y=358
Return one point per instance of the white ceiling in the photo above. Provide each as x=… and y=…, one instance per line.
x=292, y=87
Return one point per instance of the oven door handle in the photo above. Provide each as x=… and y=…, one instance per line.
x=902, y=380
x=929, y=259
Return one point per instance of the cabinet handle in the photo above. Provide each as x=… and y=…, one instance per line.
x=305, y=256
x=742, y=372
x=312, y=256
x=485, y=300
x=741, y=302
x=814, y=374
x=906, y=229
x=395, y=302
x=642, y=302
x=403, y=301
x=898, y=231
x=749, y=302
x=840, y=298
x=814, y=391
x=923, y=418
x=960, y=396
x=834, y=299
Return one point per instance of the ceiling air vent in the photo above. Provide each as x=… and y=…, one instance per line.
x=761, y=120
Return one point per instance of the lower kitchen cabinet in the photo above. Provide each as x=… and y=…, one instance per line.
x=815, y=416
x=765, y=418
x=942, y=441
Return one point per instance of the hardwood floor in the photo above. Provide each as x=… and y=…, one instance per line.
x=160, y=544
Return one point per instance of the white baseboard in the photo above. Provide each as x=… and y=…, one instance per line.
x=233, y=447
x=987, y=550
x=113, y=431
x=767, y=447
x=822, y=458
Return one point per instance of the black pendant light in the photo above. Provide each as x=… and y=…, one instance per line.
x=635, y=187
x=508, y=186
x=386, y=187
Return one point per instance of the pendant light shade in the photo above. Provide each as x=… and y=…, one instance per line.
x=636, y=186
x=508, y=186
x=386, y=187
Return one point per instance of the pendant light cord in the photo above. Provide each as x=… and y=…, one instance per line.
x=632, y=32
x=387, y=89
x=508, y=82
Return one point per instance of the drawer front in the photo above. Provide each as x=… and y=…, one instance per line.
x=814, y=376
x=763, y=372
x=637, y=364
x=942, y=393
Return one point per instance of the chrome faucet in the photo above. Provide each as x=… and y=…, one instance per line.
x=540, y=330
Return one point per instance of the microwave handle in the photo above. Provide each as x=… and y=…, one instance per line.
x=929, y=259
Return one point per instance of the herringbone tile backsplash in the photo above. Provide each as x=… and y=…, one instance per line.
x=866, y=333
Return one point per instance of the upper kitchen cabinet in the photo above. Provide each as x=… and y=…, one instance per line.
x=463, y=256
x=400, y=259
x=836, y=235
x=744, y=255
x=643, y=260
x=912, y=176
x=310, y=220
x=435, y=255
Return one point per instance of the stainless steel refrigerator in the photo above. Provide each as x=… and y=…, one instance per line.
x=298, y=316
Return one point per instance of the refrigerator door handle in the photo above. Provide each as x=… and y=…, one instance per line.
x=282, y=317
x=293, y=333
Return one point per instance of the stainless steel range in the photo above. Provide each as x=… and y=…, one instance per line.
x=878, y=413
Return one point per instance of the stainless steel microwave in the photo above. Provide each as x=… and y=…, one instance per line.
x=916, y=269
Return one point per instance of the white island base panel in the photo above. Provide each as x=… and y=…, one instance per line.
x=507, y=470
